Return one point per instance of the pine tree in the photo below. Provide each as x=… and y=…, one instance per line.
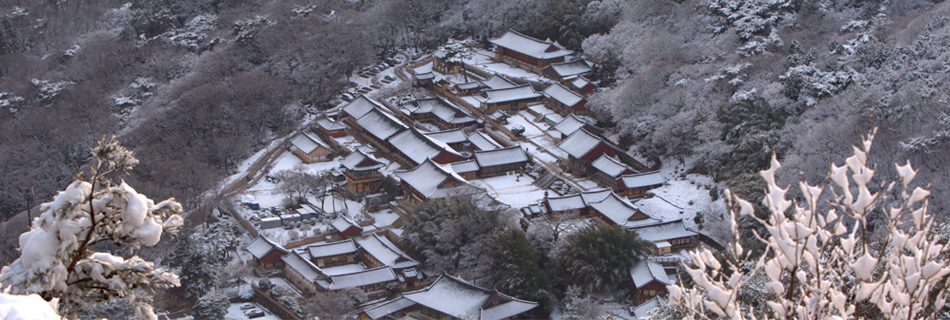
x=516, y=266
x=212, y=306
x=56, y=256
x=599, y=256
x=197, y=268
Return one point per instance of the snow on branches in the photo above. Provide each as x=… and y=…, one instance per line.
x=821, y=259
x=56, y=259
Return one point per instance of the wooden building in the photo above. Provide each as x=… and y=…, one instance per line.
x=637, y=185
x=362, y=172
x=565, y=71
x=583, y=148
x=500, y=161
x=267, y=254
x=516, y=47
x=309, y=148
x=650, y=280
x=565, y=101
x=509, y=99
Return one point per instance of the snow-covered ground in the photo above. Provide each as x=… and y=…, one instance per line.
x=235, y=313
x=511, y=190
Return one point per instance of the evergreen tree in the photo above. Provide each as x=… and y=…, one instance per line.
x=197, y=268
x=599, y=256
x=212, y=306
x=56, y=257
x=451, y=233
x=517, y=270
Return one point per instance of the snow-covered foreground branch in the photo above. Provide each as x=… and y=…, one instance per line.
x=821, y=259
x=56, y=259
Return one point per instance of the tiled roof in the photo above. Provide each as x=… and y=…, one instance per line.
x=616, y=209
x=579, y=143
x=465, y=166
x=499, y=157
x=571, y=124
x=308, y=142
x=381, y=124
x=359, y=279
x=330, y=125
x=643, y=179
x=449, y=136
x=521, y=92
x=571, y=68
x=645, y=271
x=360, y=106
x=331, y=249
x=262, y=246
x=427, y=178
x=529, y=46
x=304, y=267
x=482, y=141
x=580, y=83
x=498, y=82
x=360, y=161
x=664, y=231
x=610, y=166
x=563, y=95
x=386, y=252
x=459, y=299
x=419, y=147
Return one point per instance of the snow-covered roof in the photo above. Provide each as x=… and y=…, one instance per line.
x=262, y=246
x=579, y=200
x=469, y=85
x=465, y=166
x=441, y=109
x=380, y=124
x=307, y=142
x=643, y=179
x=459, y=299
x=359, y=279
x=529, y=46
x=482, y=141
x=331, y=249
x=360, y=161
x=386, y=252
x=498, y=82
x=616, y=209
x=386, y=308
x=643, y=311
x=579, y=143
x=610, y=166
x=343, y=223
x=645, y=271
x=580, y=82
x=419, y=147
x=521, y=92
x=304, y=267
x=497, y=157
x=571, y=68
x=429, y=179
x=424, y=76
x=330, y=125
x=571, y=124
x=360, y=106
x=563, y=95
x=449, y=136
x=664, y=231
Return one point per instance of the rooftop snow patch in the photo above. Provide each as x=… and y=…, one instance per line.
x=331, y=249
x=521, y=92
x=579, y=143
x=498, y=82
x=610, y=166
x=419, y=147
x=433, y=181
x=571, y=68
x=262, y=246
x=645, y=271
x=643, y=179
x=497, y=157
x=360, y=107
x=381, y=124
x=529, y=46
x=459, y=299
x=307, y=142
x=360, y=161
x=563, y=95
